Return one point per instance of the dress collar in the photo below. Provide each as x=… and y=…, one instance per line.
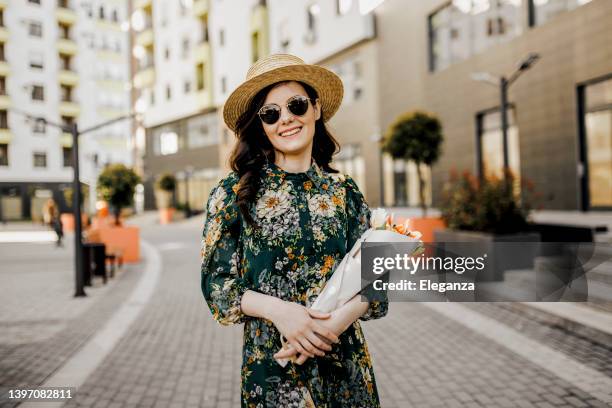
x=273, y=173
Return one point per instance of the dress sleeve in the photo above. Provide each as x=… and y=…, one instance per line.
x=358, y=215
x=222, y=283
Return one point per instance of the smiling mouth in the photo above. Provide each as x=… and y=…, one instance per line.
x=290, y=132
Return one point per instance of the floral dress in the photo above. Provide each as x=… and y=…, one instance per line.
x=307, y=223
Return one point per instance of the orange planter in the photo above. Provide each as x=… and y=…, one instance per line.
x=165, y=215
x=68, y=221
x=126, y=239
x=426, y=226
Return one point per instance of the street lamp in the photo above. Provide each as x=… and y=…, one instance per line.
x=76, y=186
x=504, y=83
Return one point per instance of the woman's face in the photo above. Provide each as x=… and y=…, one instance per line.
x=292, y=135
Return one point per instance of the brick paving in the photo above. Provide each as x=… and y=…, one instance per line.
x=41, y=324
x=175, y=355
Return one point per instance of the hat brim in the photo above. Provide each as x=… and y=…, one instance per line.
x=327, y=84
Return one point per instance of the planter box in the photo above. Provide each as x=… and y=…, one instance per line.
x=68, y=222
x=427, y=227
x=500, y=258
x=127, y=239
x=166, y=215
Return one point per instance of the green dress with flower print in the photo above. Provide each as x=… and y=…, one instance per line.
x=307, y=222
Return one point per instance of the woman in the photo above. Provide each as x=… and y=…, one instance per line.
x=275, y=229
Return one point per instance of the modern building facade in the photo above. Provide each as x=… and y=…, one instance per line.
x=560, y=114
x=64, y=62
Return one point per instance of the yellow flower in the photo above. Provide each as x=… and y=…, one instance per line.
x=307, y=185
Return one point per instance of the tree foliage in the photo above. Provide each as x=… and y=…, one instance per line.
x=117, y=185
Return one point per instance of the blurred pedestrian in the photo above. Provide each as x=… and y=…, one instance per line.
x=275, y=228
x=52, y=218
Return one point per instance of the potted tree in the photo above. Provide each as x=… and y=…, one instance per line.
x=417, y=136
x=117, y=185
x=483, y=214
x=166, y=185
x=68, y=218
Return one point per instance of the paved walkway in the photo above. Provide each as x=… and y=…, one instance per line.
x=425, y=355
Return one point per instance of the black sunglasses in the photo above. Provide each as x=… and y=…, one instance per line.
x=297, y=105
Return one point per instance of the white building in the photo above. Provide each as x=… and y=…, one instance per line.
x=66, y=62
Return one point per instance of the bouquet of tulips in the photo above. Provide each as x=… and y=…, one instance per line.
x=345, y=282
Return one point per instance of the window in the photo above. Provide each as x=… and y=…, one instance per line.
x=152, y=96
x=101, y=13
x=254, y=46
x=40, y=160
x=36, y=60
x=34, y=2
x=168, y=92
x=35, y=29
x=490, y=153
x=284, y=34
x=66, y=93
x=167, y=53
x=185, y=48
x=202, y=131
x=115, y=16
x=2, y=85
x=312, y=14
x=38, y=93
x=221, y=37
x=39, y=127
x=542, y=11
x=64, y=31
x=200, y=76
x=596, y=135
x=1, y=17
x=3, y=119
x=168, y=143
x=204, y=22
x=67, y=156
x=343, y=6
x=2, y=56
x=464, y=28
x=4, y=154
x=223, y=85
x=187, y=86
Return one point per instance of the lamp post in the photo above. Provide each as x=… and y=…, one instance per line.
x=73, y=129
x=504, y=83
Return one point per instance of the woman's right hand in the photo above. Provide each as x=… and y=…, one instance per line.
x=298, y=325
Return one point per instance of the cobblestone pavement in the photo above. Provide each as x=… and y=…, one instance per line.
x=176, y=355
x=41, y=323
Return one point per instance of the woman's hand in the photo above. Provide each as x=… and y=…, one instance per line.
x=303, y=329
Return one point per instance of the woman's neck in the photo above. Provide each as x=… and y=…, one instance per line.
x=293, y=164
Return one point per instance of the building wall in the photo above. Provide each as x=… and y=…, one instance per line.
x=574, y=47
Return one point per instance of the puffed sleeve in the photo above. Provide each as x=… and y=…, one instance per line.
x=358, y=216
x=222, y=283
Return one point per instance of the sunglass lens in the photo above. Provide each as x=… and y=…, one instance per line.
x=269, y=114
x=298, y=105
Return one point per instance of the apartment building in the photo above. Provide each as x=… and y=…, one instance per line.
x=560, y=112
x=190, y=55
x=63, y=61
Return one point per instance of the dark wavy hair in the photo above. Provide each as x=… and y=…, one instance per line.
x=253, y=149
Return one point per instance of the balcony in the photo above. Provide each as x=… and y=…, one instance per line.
x=144, y=78
x=201, y=53
x=69, y=108
x=141, y=4
x=66, y=46
x=3, y=4
x=145, y=37
x=4, y=68
x=200, y=7
x=6, y=136
x=66, y=140
x=204, y=98
x=68, y=77
x=64, y=14
x=5, y=102
x=4, y=34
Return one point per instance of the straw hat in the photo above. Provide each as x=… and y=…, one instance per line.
x=284, y=67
